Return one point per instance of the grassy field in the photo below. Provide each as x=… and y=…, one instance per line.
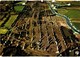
x=77, y=25
x=76, y=22
x=2, y=21
x=3, y=31
x=62, y=11
x=73, y=14
x=18, y=8
x=10, y=21
x=20, y=2
x=75, y=19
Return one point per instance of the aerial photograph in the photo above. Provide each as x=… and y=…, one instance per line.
x=39, y=28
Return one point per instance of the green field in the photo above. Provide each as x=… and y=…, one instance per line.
x=75, y=19
x=62, y=11
x=77, y=25
x=73, y=14
x=3, y=31
x=18, y=8
x=10, y=21
x=2, y=21
x=20, y=2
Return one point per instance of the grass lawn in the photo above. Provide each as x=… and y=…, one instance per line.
x=20, y=2
x=18, y=8
x=2, y=21
x=76, y=22
x=12, y=12
x=3, y=31
x=73, y=13
x=75, y=19
x=77, y=25
x=10, y=21
x=62, y=11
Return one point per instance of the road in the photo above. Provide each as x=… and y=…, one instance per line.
x=64, y=17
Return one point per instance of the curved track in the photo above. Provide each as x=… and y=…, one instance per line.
x=65, y=17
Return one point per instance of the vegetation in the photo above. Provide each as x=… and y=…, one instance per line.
x=3, y=31
x=75, y=19
x=2, y=21
x=19, y=2
x=77, y=25
x=10, y=21
x=76, y=22
x=73, y=13
x=18, y=8
x=62, y=11
x=34, y=35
